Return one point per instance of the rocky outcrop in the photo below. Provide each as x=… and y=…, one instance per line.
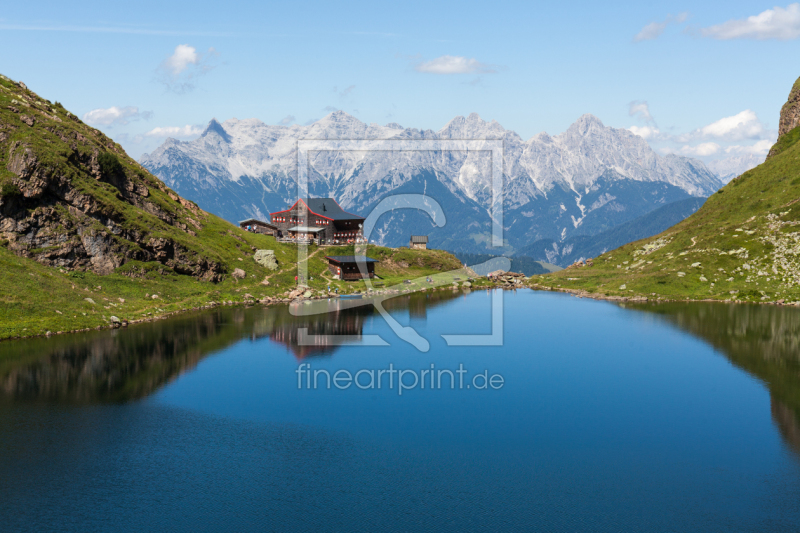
x=790, y=116
x=790, y=112
x=71, y=198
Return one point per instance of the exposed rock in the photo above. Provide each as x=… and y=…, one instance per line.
x=90, y=301
x=790, y=115
x=790, y=112
x=266, y=258
x=239, y=273
x=60, y=220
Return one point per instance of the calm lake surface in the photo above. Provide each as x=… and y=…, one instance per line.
x=679, y=417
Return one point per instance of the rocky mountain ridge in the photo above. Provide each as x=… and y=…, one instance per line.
x=585, y=180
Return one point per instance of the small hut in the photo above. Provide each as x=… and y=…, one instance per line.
x=418, y=242
x=345, y=267
x=259, y=226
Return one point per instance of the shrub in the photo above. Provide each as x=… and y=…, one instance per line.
x=109, y=164
x=8, y=190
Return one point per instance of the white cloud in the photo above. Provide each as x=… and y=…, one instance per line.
x=655, y=29
x=288, y=119
x=640, y=110
x=744, y=125
x=115, y=115
x=344, y=93
x=180, y=71
x=454, y=65
x=776, y=23
x=646, y=132
x=760, y=148
x=701, y=150
x=651, y=31
x=180, y=60
x=175, y=131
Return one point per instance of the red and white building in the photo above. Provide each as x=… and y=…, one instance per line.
x=318, y=219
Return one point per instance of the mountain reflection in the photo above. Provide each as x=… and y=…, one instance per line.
x=761, y=339
x=126, y=364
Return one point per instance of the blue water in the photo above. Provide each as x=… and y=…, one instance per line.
x=609, y=419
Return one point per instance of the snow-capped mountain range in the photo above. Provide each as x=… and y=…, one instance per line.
x=581, y=182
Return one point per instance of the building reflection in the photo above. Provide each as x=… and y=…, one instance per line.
x=760, y=339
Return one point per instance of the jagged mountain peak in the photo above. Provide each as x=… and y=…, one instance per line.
x=339, y=117
x=586, y=125
x=215, y=128
x=472, y=127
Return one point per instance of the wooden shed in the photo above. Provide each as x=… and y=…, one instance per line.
x=345, y=267
x=259, y=226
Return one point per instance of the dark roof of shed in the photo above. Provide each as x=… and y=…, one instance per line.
x=419, y=238
x=351, y=258
x=328, y=207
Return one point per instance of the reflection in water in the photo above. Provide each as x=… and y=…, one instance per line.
x=126, y=364
x=764, y=340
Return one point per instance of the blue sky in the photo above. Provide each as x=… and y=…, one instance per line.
x=697, y=79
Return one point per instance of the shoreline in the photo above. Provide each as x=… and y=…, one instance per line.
x=266, y=302
x=579, y=293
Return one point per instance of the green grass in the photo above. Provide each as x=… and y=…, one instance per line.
x=745, y=238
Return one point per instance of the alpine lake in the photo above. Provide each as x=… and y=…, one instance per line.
x=555, y=414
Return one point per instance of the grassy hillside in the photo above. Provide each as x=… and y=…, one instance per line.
x=742, y=245
x=86, y=234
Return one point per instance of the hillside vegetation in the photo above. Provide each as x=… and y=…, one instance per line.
x=742, y=245
x=87, y=234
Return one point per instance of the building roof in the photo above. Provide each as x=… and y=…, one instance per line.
x=351, y=259
x=328, y=207
x=256, y=221
x=306, y=229
x=421, y=239
x=325, y=207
